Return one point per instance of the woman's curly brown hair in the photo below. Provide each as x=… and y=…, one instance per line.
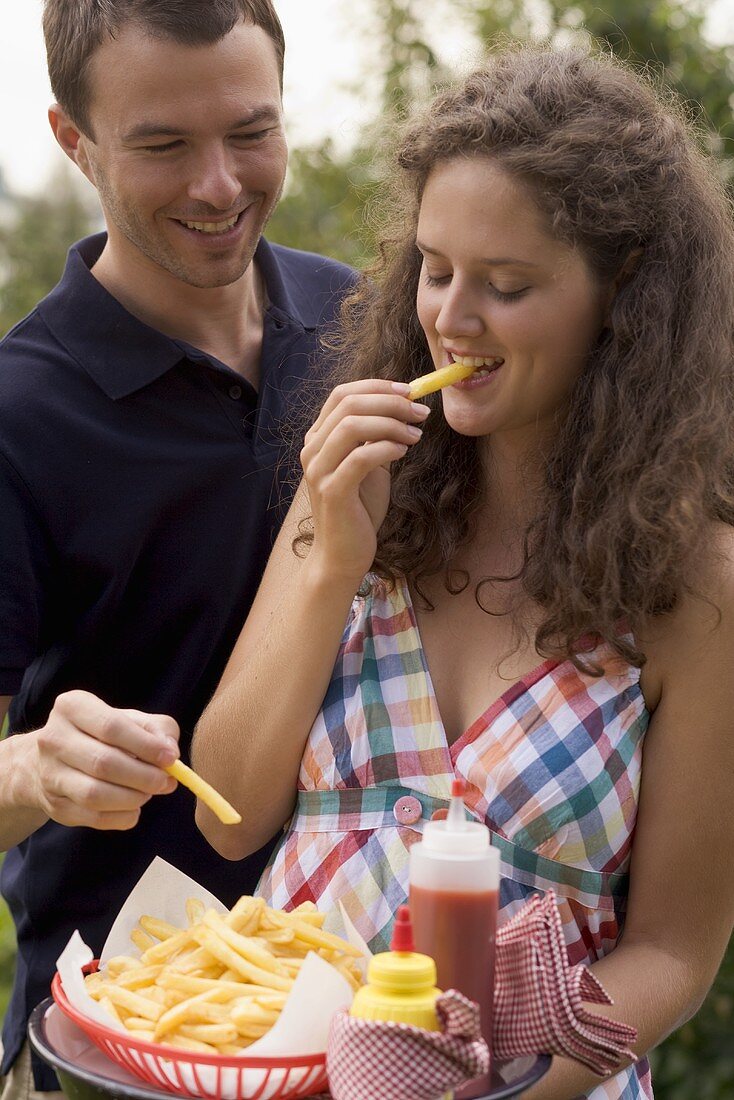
x=643, y=461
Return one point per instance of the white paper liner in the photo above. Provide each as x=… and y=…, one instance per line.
x=302, y=1028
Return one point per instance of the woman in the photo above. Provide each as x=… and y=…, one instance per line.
x=542, y=556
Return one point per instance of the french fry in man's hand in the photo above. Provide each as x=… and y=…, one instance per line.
x=203, y=790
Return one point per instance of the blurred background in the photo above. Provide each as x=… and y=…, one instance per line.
x=351, y=70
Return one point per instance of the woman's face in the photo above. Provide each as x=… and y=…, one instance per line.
x=497, y=288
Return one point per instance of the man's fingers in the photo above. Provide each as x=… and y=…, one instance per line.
x=100, y=761
x=68, y=812
x=151, y=738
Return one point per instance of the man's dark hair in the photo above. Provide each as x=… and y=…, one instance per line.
x=74, y=29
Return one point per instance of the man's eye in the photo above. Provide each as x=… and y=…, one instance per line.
x=254, y=135
x=162, y=148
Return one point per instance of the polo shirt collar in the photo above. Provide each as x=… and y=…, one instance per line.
x=118, y=351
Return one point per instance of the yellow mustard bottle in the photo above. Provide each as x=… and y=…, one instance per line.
x=401, y=984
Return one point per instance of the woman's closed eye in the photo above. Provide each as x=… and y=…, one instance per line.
x=501, y=295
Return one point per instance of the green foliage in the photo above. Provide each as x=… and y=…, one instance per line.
x=324, y=210
x=33, y=246
x=664, y=36
x=697, y=1062
x=7, y=954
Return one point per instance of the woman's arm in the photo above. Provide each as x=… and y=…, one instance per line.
x=250, y=739
x=681, y=904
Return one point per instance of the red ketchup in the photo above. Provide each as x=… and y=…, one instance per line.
x=454, y=883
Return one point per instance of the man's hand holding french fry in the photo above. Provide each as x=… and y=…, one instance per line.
x=95, y=765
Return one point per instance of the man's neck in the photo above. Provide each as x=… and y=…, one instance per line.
x=224, y=321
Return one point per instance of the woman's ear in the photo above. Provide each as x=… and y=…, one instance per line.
x=626, y=271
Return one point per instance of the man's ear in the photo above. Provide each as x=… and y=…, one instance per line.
x=71, y=139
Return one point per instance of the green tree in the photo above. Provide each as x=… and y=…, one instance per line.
x=327, y=193
x=34, y=242
x=7, y=955
x=665, y=36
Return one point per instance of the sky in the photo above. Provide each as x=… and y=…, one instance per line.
x=327, y=86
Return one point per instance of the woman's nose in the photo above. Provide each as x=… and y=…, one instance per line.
x=459, y=315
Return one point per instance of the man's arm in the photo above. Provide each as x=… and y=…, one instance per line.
x=89, y=765
x=16, y=821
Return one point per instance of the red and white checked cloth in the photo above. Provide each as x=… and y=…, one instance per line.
x=367, y=1059
x=538, y=1009
x=538, y=997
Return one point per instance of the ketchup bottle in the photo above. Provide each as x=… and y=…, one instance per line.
x=454, y=883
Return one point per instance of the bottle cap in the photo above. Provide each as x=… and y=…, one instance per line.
x=455, y=835
x=402, y=933
x=401, y=972
x=472, y=838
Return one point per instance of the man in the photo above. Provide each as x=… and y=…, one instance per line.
x=141, y=480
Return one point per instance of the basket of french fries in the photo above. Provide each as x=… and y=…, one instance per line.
x=231, y=1005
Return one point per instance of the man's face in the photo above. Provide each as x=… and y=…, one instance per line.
x=188, y=153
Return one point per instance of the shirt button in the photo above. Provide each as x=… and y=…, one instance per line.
x=440, y=815
x=235, y=392
x=407, y=810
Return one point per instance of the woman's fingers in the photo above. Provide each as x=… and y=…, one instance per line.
x=366, y=386
x=351, y=433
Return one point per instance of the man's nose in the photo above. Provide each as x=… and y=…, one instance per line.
x=215, y=180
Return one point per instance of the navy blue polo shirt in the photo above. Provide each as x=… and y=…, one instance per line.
x=142, y=483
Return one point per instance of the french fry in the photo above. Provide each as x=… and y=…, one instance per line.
x=230, y=958
x=118, y=964
x=141, y=939
x=167, y=947
x=232, y=1048
x=246, y=946
x=195, y=909
x=437, y=379
x=219, y=984
x=111, y=1008
x=159, y=929
x=209, y=1033
x=139, y=978
x=171, y=1019
x=211, y=798
x=189, y=1044
x=315, y=937
x=136, y=1004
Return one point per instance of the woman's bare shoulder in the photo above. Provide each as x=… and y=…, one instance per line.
x=701, y=627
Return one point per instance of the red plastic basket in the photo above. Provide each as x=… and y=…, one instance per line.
x=187, y=1073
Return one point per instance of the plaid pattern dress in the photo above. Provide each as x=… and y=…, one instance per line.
x=552, y=767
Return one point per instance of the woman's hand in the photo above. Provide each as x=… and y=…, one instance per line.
x=363, y=427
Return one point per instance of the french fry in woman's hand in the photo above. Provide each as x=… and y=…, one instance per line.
x=211, y=798
x=437, y=379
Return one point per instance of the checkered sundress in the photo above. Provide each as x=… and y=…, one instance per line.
x=552, y=767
